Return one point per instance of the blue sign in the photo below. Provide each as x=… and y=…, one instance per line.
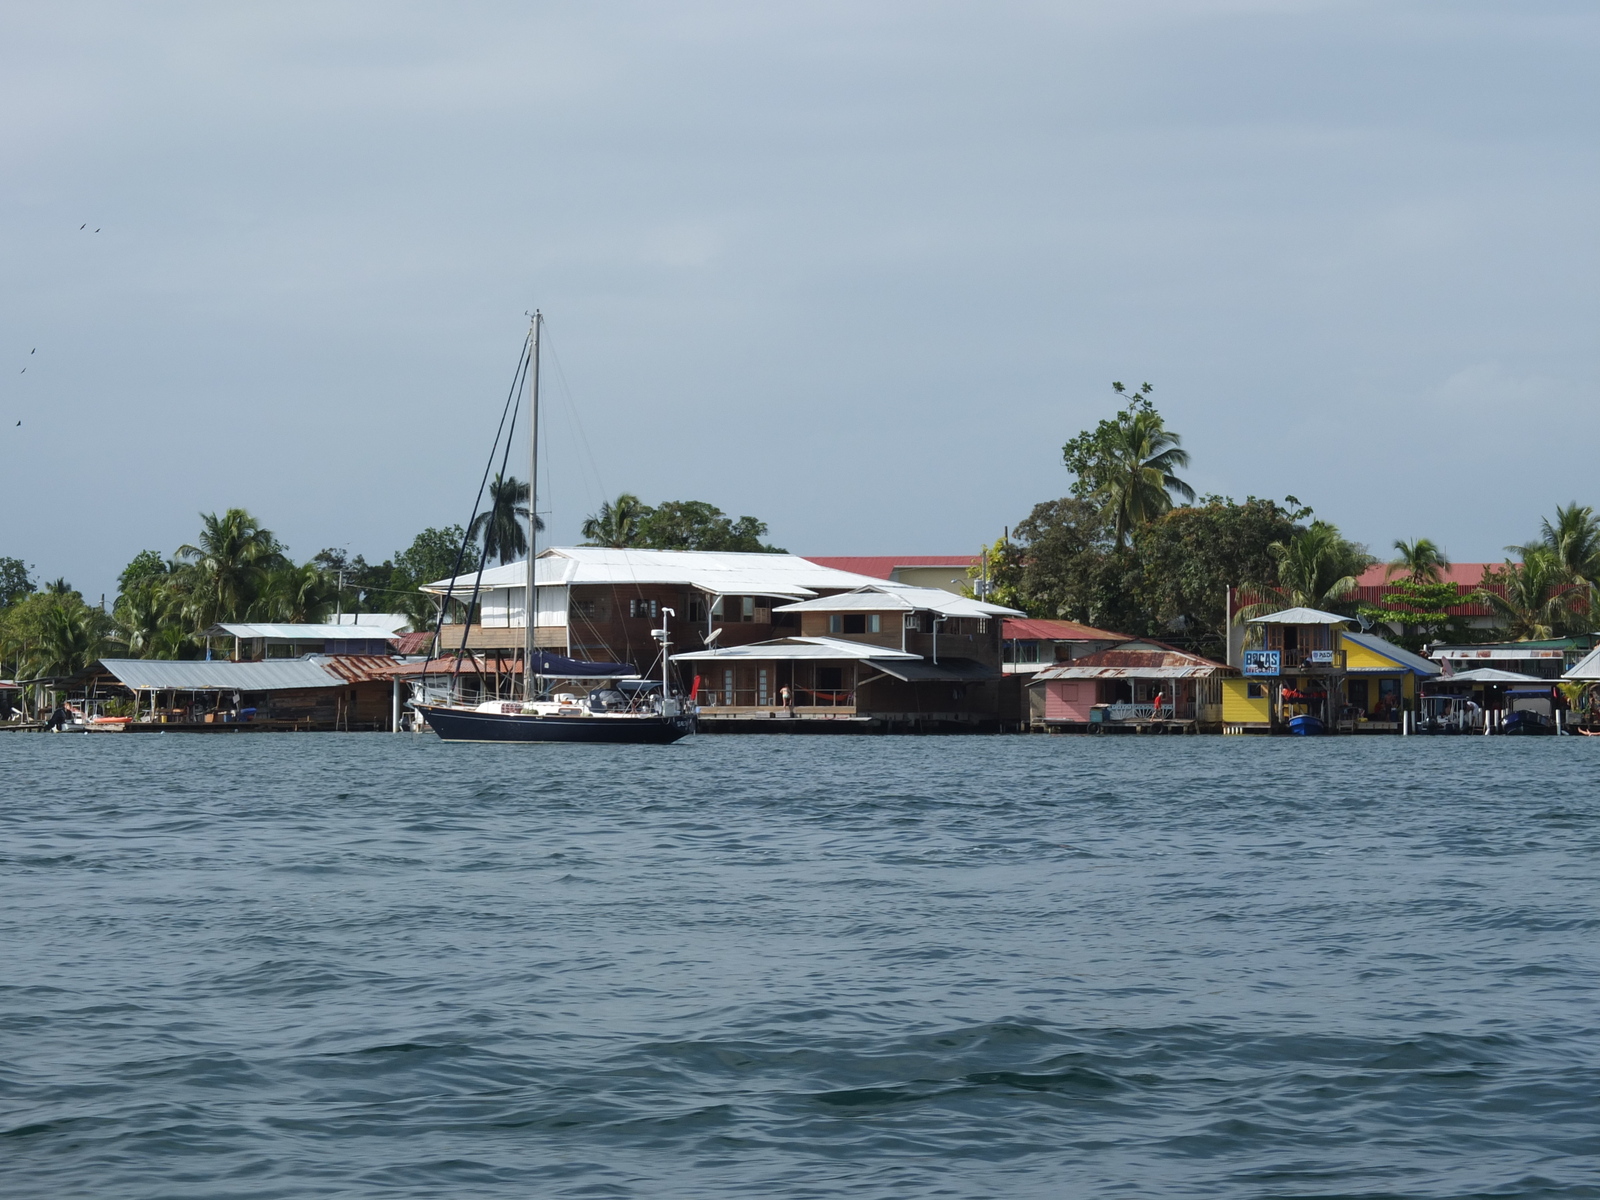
x=1322, y=656
x=1261, y=662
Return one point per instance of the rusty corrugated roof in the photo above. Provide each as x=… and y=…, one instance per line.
x=357, y=668
x=413, y=643
x=1134, y=664
x=471, y=664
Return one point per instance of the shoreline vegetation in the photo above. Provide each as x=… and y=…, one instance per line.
x=1130, y=547
x=238, y=570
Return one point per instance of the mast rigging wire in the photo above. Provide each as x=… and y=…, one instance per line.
x=483, y=556
x=461, y=553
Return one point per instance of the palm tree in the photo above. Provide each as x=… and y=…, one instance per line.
x=1422, y=560
x=296, y=596
x=1317, y=568
x=501, y=528
x=617, y=523
x=226, y=570
x=1534, y=605
x=71, y=635
x=173, y=641
x=1136, y=479
x=1574, y=539
x=143, y=611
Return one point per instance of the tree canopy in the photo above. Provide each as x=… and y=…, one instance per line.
x=1128, y=465
x=1171, y=582
x=674, y=525
x=16, y=581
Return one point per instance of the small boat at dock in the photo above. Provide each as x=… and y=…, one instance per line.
x=1306, y=725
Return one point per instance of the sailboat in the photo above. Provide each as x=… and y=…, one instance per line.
x=623, y=707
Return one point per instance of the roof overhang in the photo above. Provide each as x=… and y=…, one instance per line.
x=189, y=675
x=1300, y=616
x=894, y=597
x=288, y=632
x=1515, y=653
x=1488, y=675
x=951, y=670
x=817, y=649
x=1394, y=669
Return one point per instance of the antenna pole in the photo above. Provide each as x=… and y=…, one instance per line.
x=531, y=604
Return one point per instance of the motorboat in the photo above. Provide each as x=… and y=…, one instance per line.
x=1530, y=712
x=1445, y=713
x=1306, y=725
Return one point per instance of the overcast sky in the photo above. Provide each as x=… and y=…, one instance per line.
x=858, y=269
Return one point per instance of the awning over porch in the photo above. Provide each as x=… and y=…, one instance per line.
x=946, y=670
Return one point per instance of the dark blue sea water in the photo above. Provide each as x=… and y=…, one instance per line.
x=378, y=966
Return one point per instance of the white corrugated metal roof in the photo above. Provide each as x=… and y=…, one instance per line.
x=718, y=572
x=865, y=600
x=1300, y=616
x=894, y=597
x=1587, y=667
x=796, y=648
x=158, y=674
x=303, y=633
x=1513, y=652
x=390, y=622
x=1492, y=675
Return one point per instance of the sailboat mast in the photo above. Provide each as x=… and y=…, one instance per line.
x=531, y=604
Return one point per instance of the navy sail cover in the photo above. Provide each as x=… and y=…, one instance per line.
x=545, y=663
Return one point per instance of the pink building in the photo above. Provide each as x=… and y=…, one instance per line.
x=1137, y=686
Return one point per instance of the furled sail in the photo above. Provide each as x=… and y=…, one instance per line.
x=557, y=667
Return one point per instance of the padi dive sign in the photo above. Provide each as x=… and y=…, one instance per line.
x=1261, y=662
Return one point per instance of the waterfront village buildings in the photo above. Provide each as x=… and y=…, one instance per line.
x=776, y=642
x=759, y=638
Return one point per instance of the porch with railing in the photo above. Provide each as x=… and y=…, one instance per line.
x=1121, y=712
x=736, y=701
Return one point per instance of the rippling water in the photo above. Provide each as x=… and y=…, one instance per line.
x=368, y=965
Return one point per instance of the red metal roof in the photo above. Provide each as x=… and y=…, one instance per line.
x=1465, y=575
x=1370, y=593
x=1029, y=630
x=882, y=566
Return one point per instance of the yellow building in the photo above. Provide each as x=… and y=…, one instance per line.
x=1306, y=669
